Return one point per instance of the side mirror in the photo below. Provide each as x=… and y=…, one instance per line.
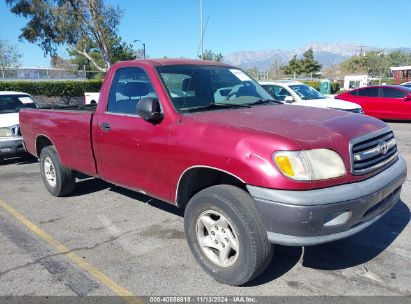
x=149, y=109
x=407, y=97
x=289, y=99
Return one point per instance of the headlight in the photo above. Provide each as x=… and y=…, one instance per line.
x=5, y=132
x=309, y=165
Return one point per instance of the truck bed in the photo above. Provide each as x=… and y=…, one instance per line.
x=68, y=128
x=85, y=107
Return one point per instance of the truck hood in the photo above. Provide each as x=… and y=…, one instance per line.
x=328, y=103
x=9, y=119
x=306, y=126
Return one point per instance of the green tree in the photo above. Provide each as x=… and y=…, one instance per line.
x=60, y=63
x=306, y=65
x=309, y=64
x=399, y=58
x=209, y=55
x=375, y=63
x=294, y=66
x=355, y=64
x=85, y=26
x=120, y=51
x=9, y=56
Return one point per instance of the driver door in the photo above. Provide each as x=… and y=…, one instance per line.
x=394, y=104
x=131, y=151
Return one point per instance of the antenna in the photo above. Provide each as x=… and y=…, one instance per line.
x=202, y=40
x=201, y=30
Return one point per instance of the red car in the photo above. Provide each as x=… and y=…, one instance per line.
x=385, y=102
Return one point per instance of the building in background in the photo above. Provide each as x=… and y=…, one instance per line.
x=401, y=74
x=355, y=81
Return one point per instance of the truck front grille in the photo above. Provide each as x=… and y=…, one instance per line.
x=373, y=151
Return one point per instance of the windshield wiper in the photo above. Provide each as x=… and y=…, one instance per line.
x=264, y=101
x=212, y=106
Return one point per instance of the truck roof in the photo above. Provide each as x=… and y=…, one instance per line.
x=179, y=61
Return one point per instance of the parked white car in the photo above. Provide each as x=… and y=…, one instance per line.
x=11, y=142
x=300, y=94
x=91, y=98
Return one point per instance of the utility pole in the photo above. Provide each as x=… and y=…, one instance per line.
x=144, y=47
x=361, y=50
x=201, y=30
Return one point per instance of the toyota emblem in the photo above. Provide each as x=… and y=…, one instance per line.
x=383, y=147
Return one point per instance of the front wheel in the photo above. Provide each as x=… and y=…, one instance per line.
x=58, y=179
x=225, y=234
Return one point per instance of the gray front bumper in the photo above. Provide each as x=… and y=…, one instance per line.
x=299, y=218
x=11, y=146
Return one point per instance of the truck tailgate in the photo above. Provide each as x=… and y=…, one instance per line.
x=69, y=131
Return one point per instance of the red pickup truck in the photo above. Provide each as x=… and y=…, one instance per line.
x=248, y=170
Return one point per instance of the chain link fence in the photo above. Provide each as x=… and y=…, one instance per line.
x=267, y=75
x=47, y=74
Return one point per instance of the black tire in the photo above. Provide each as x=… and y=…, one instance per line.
x=1, y=160
x=64, y=181
x=238, y=207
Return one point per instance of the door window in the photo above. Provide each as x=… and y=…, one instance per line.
x=277, y=92
x=353, y=84
x=368, y=92
x=393, y=93
x=129, y=86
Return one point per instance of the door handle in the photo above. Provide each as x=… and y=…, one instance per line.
x=105, y=126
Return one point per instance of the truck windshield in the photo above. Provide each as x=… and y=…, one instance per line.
x=13, y=103
x=200, y=87
x=306, y=92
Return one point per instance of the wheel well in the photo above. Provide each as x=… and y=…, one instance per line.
x=42, y=142
x=197, y=179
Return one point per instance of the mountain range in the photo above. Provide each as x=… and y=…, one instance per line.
x=326, y=53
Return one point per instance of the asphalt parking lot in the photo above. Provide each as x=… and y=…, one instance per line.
x=105, y=240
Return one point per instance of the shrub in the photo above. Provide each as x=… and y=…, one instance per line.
x=314, y=84
x=53, y=88
x=335, y=87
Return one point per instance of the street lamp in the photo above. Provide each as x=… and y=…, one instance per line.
x=144, y=47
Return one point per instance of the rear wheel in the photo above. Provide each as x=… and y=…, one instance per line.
x=58, y=179
x=1, y=160
x=225, y=234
